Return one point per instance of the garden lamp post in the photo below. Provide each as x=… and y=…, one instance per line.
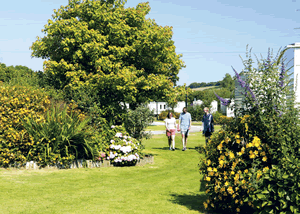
x=185, y=96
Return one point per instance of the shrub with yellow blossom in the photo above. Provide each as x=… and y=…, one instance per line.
x=252, y=163
x=16, y=103
x=31, y=130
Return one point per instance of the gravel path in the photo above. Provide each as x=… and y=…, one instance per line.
x=193, y=128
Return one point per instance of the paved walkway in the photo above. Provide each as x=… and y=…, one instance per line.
x=193, y=128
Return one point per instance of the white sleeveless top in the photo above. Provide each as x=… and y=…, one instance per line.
x=170, y=123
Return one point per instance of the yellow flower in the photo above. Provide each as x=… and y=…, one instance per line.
x=243, y=150
x=226, y=183
x=264, y=158
x=223, y=189
x=256, y=141
x=231, y=155
x=258, y=175
x=240, y=154
x=252, y=156
x=208, y=162
x=232, y=172
x=243, y=181
x=238, y=210
x=236, y=201
x=249, y=145
x=207, y=178
x=230, y=190
x=265, y=169
x=219, y=147
x=209, y=169
x=205, y=205
x=215, y=170
x=236, y=177
x=246, y=170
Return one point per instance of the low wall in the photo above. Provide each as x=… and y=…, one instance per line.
x=84, y=164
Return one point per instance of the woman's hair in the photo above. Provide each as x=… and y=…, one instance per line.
x=169, y=113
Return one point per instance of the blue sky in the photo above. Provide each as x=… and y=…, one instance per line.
x=211, y=35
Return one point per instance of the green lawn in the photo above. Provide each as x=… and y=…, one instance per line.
x=156, y=128
x=170, y=185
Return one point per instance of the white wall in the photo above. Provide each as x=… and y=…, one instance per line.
x=158, y=107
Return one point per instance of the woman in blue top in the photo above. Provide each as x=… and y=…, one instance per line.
x=208, y=124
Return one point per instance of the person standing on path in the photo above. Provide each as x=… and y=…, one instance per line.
x=185, y=122
x=170, y=123
x=208, y=124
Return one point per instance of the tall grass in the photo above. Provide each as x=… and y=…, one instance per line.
x=61, y=135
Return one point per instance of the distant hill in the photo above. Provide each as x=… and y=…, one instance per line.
x=204, y=84
x=204, y=88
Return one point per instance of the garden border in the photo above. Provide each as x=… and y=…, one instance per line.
x=81, y=163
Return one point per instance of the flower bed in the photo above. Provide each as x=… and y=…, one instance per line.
x=81, y=163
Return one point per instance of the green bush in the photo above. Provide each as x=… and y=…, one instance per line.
x=252, y=164
x=217, y=117
x=196, y=112
x=137, y=121
x=18, y=75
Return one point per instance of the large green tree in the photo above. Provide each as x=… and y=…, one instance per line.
x=228, y=82
x=111, y=52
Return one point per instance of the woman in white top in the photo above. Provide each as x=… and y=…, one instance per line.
x=171, y=130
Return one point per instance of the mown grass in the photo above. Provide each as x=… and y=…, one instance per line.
x=170, y=185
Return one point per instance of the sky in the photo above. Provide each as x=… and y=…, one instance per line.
x=211, y=35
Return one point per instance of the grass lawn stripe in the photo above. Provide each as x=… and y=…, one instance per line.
x=170, y=185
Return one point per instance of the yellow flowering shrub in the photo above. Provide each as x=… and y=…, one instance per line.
x=16, y=103
x=256, y=154
x=235, y=162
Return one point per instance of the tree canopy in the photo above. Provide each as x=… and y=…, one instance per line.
x=111, y=52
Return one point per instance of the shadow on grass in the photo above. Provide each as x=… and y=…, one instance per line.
x=164, y=148
x=179, y=148
x=192, y=202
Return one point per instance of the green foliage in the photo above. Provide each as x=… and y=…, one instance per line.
x=163, y=115
x=204, y=84
x=196, y=112
x=252, y=164
x=59, y=138
x=18, y=75
x=228, y=82
x=208, y=95
x=113, y=53
x=137, y=121
x=217, y=117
